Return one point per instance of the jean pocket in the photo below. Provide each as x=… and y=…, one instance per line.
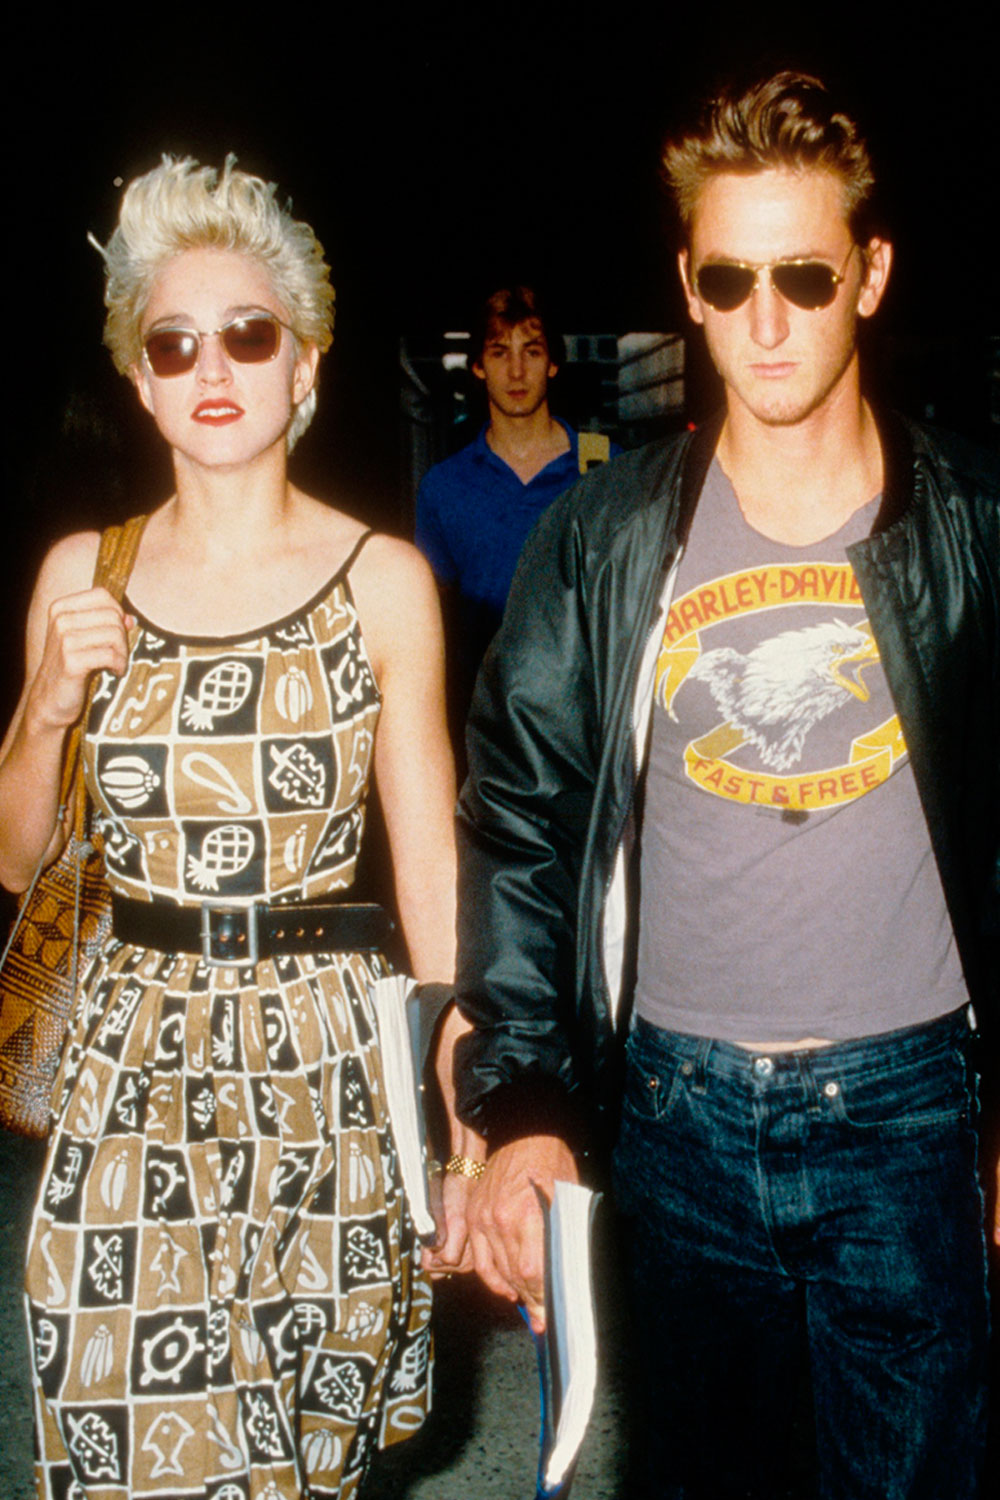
x=924, y=1094
x=650, y=1082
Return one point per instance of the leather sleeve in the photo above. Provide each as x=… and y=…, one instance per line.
x=930, y=577
x=549, y=793
x=523, y=820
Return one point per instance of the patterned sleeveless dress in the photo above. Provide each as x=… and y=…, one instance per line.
x=222, y=1288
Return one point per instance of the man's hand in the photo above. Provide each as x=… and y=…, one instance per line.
x=506, y=1229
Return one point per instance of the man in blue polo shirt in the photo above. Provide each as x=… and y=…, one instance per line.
x=474, y=510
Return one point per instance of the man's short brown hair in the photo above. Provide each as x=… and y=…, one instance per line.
x=786, y=120
x=508, y=306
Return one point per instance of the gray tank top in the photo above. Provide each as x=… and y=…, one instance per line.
x=788, y=886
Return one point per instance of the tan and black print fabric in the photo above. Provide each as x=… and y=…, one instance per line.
x=229, y=769
x=221, y=1281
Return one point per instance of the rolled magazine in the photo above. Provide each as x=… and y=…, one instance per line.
x=397, y=1011
x=567, y=1350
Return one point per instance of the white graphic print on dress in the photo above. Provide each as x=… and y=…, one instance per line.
x=98, y=1356
x=222, y=692
x=106, y=1269
x=293, y=695
x=321, y=1449
x=46, y=1343
x=293, y=852
x=166, y=1440
x=341, y=1388
x=205, y=770
x=93, y=1443
x=171, y=1347
x=298, y=774
x=227, y=851
x=166, y=1263
x=129, y=780
x=132, y=711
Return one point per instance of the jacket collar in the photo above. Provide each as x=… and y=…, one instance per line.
x=701, y=450
x=897, y=469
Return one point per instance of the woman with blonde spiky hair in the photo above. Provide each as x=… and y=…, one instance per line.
x=224, y=1284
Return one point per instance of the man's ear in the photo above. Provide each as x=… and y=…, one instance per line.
x=478, y=370
x=877, y=255
x=693, y=305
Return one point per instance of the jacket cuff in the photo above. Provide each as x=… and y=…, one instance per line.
x=533, y=1106
x=430, y=1001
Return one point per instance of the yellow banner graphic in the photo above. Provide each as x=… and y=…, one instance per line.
x=872, y=758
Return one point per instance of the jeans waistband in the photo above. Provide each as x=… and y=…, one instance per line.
x=886, y=1050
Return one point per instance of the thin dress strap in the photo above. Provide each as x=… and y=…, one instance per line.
x=352, y=557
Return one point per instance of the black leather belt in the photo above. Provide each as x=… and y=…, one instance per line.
x=225, y=934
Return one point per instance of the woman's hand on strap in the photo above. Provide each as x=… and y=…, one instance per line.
x=73, y=631
x=87, y=632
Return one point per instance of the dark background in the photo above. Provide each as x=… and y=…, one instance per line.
x=439, y=150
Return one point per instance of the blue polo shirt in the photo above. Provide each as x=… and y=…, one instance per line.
x=474, y=515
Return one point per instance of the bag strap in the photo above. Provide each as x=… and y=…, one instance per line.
x=116, y=555
x=592, y=448
x=115, y=559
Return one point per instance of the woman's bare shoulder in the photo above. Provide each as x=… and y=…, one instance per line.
x=382, y=551
x=397, y=601
x=68, y=567
x=394, y=570
x=383, y=564
x=325, y=533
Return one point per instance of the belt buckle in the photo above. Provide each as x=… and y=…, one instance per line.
x=229, y=934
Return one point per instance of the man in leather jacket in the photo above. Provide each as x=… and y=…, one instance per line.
x=730, y=870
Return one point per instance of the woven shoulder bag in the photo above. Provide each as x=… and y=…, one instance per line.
x=64, y=917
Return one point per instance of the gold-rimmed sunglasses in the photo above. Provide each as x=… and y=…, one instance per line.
x=809, y=284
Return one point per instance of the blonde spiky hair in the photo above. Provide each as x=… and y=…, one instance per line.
x=181, y=205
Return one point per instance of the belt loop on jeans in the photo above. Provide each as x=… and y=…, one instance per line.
x=807, y=1080
x=700, y=1084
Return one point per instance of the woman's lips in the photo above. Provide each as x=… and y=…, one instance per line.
x=217, y=413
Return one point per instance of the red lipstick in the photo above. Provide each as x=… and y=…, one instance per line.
x=217, y=413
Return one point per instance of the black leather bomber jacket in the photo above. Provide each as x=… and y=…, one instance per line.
x=557, y=735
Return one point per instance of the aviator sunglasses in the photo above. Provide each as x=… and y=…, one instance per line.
x=809, y=284
x=252, y=339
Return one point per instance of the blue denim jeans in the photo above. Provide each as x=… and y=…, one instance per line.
x=807, y=1267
